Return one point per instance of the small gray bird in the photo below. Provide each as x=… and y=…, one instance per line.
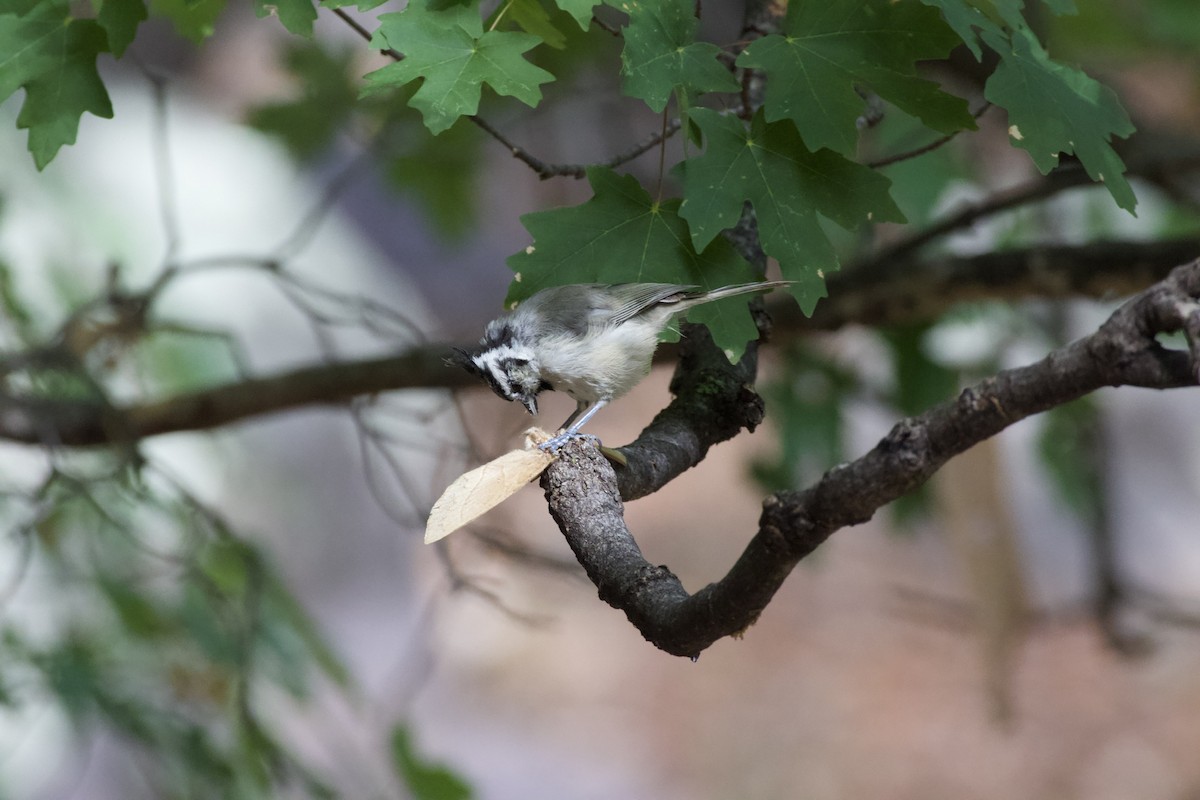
x=593, y=341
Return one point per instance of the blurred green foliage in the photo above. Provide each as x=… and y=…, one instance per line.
x=166, y=627
x=808, y=402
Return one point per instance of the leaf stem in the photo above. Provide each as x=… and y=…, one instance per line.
x=500, y=15
x=662, y=155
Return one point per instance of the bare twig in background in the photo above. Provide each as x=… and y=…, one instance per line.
x=907, y=155
x=541, y=168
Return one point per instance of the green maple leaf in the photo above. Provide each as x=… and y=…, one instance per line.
x=120, y=20
x=788, y=186
x=22, y=7
x=1011, y=11
x=622, y=235
x=1055, y=109
x=532, y=17
x=965, y=19
x=54, y=58
x=831, y=48
x=662, y=55
x=27, y=37
x=193, y=19
x=453, y=56
x=580, y=10
x=297, y=16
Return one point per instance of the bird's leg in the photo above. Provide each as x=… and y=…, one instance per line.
x=580, y=406
x=572, y=426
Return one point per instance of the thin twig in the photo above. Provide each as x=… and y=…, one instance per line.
x=310, y=223
x=542, y=169
x=662, y=156
x=368, y=442
x=164, y=173
x=604, y=26
x=1040, y=188
x=395, y=55
x=1148, y=163
x=461, y=582
x=922, y=150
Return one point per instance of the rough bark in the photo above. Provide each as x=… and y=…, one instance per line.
x=584, y=493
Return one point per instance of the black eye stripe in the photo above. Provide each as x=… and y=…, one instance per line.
x=493, y=380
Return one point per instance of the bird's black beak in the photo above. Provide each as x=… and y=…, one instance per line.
x=530, y=402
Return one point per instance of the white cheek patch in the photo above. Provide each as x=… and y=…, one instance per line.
x=494, y=366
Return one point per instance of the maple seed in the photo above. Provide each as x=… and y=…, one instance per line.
x=1015, y=132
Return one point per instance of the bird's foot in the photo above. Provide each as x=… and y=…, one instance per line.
x=556, y=443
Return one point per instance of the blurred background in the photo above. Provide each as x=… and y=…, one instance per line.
x=1027, y=626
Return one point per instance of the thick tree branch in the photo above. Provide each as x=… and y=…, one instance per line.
x=584, y=498
x=675, y=441
x=714, y=400
x=911, y=290
x=85, y=423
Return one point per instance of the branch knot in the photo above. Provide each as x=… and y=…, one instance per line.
x=904, y=444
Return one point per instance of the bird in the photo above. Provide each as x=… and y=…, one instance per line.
x=592, y=341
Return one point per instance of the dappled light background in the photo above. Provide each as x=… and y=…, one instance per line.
x=954, y=654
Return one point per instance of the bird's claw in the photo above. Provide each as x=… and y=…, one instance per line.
x=553, y=445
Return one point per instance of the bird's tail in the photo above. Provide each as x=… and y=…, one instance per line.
x=699, y=297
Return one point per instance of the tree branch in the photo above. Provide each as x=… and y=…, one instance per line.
x=585, y=500
x=908, y=155
x=85, y=423
x=1152, y=160
x=883, y=292
x=677, y=439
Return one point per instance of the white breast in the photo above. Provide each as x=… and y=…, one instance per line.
x=601, y=366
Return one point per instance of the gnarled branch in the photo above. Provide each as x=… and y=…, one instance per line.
x=585, y=500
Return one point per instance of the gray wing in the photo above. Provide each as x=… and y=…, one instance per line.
x=581, y=307
x=575, y=308
x=631, y=299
